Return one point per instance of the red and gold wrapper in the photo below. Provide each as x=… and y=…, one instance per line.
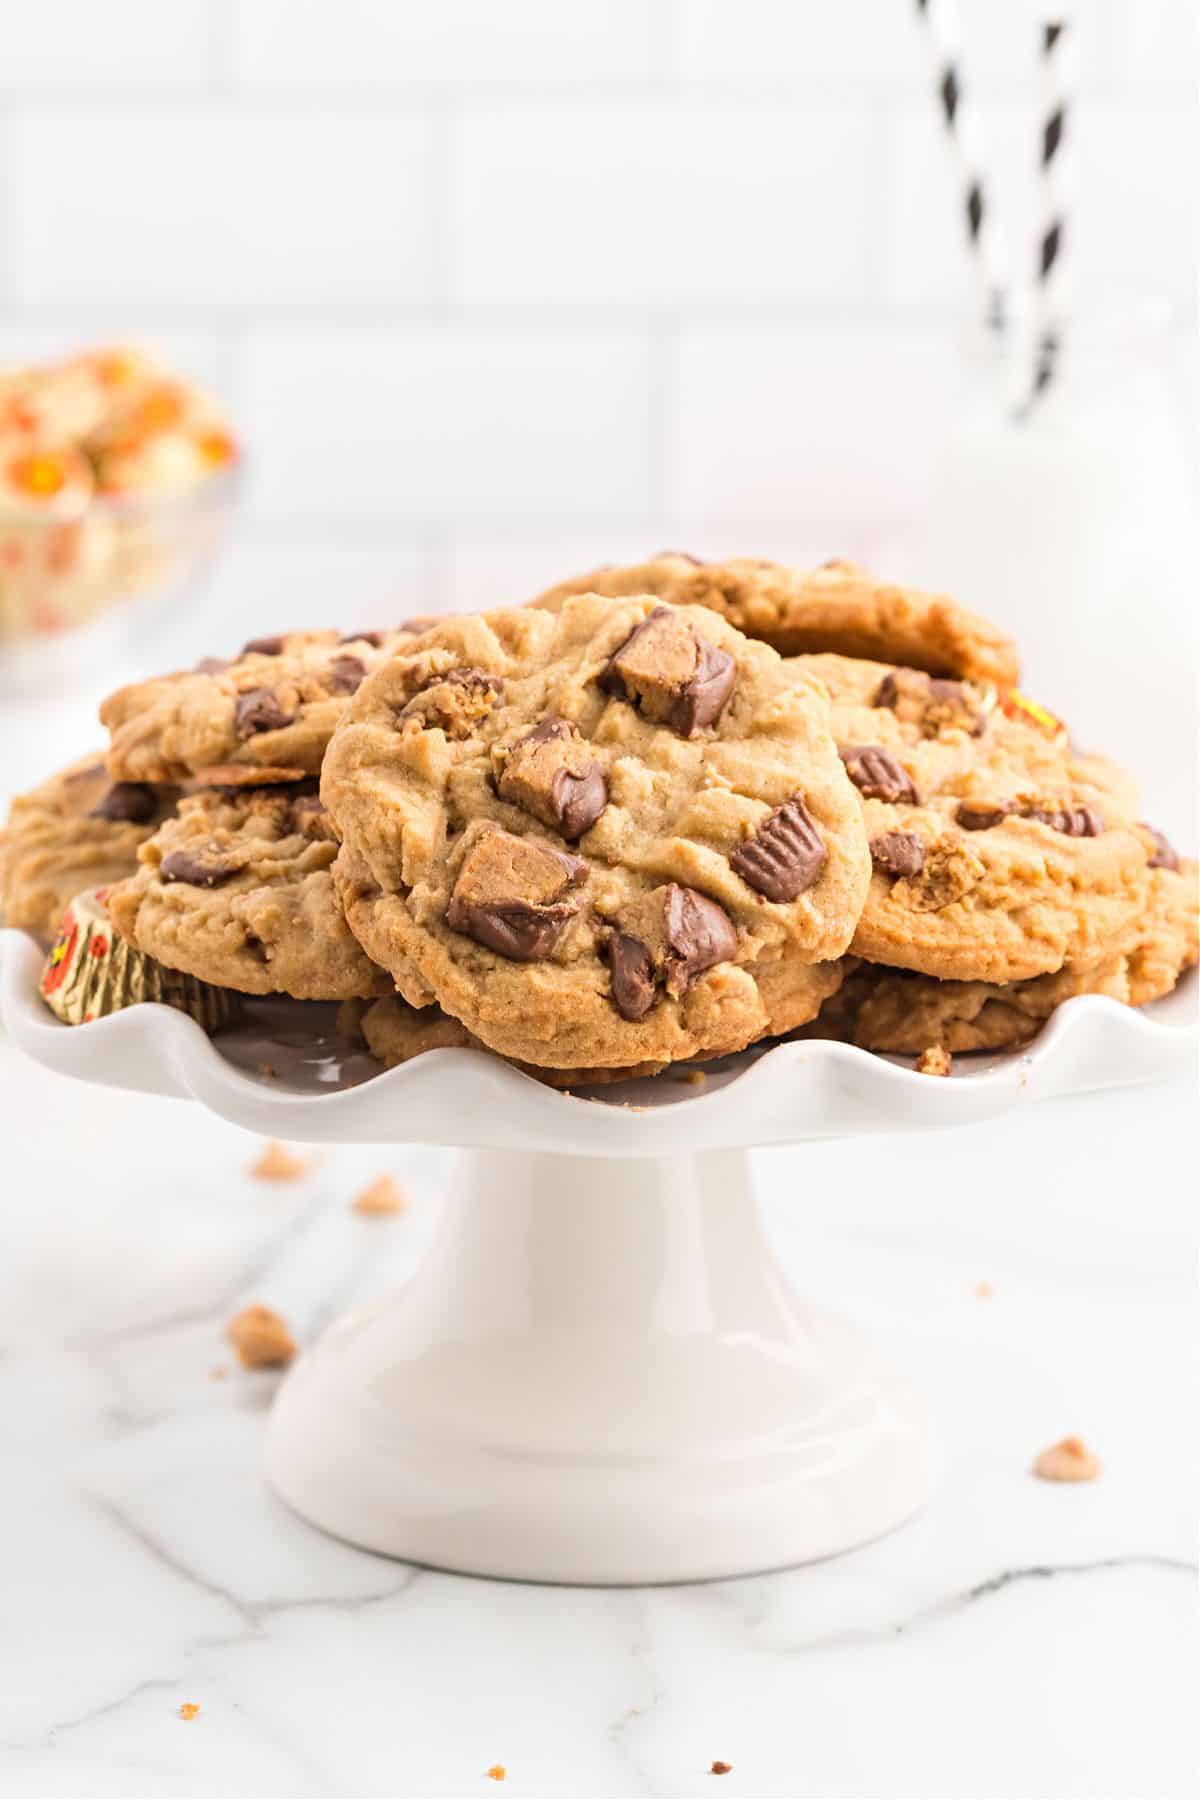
x=91, y=971
x=1017, y=705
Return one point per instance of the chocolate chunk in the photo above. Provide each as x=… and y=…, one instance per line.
x=699, y=934
x=1072, y=821
x=374, y=638
x=898, y=853
x=632, y=965
x=1165, y=854
x=346, y=674
x=551, y=773
x=877, y=775
x=670, y=674
x=213, y=665
x=134, y=802
x=455, y=702
x=977, y=815
x=786, y=854
x=512, y=895
x=259, y=710
x=264, y=646
x=422, y=622
x=184, y=865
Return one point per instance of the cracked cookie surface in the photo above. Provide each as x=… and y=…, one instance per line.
x=80, y=829
x=270, y=710
x=838, y=607
x=601, y=836
x=998, y=853
x=236, y=889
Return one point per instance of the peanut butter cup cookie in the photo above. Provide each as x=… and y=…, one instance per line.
x=81, y=829
x=895, y=1011
x=599, y=836
x=998, y=854
x=269, y=711
x=838, y=607
x=236, y=889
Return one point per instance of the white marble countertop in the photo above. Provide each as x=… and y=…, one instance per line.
x=1019, y=1639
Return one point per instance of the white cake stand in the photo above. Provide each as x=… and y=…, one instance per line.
x=600, y=1374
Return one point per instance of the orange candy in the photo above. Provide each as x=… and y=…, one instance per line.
x=37, y=474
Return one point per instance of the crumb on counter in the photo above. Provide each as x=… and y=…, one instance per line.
x=261, y=1338
x=188, y=1710
x=218, y=1373
x=721, y=1768
x=689, y=1077
x=934, y=1060
x=383, y=1195
x=277, y=1163
x=1069, y=1460
x=984, y=1290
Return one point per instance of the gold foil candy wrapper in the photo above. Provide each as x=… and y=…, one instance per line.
x=91, y=971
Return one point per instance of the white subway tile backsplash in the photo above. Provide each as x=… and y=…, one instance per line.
x=398, y=43
x=93, y=45
x=609, y=202
x=440, y=422
x=823, y=428
x=208, y=205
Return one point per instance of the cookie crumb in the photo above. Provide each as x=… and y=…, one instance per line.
x=1070, y=1460
x=934, y=1060
x=721, y=1768
x=497, y=1771
x=265, y=1068
x=689, y=1077
x=278, y=1163
x=218, y=1373
x=984, y=1290
x=261, y=1338
x=382, y=1196
x=188, y=1710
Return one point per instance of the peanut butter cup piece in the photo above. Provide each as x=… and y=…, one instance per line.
x=259, y=710
x=1072, y=821
x=263, y=646
x=456, y=702
x=1165, y=854
x=670, y=673
x=933, y=705
x=786, y=854
x=346, y=674
x=552, y=774
x=900, y=853
x=666, y=939
x=131, y=802
x=197, y=869
x=513, y=895
x=980, y=815
x=877, y=775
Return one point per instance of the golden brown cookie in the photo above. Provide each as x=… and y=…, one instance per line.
x=273, y=705
x=80, y=829
x=838, y=607
x=998, y=853
x=602, y=836
x=396, y=1032
x=236, y=889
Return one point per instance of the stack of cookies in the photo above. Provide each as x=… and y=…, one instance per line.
x=658, y=815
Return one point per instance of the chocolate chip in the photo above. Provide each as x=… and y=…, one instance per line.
x=1165, y=854
x=877, y=775
x=699, y=934
x=670, y=673
x=182, y=865
x=898, y=853
x=786, y=854
x=632, y=968
x=1072, y=821
x=346, y=674
x=976, y=815
x=133, y=802
x=259, y=710
x=213, y=665
x=550, y=773
x=264, y=646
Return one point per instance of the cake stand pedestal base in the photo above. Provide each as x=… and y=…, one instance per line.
x=600, y=1374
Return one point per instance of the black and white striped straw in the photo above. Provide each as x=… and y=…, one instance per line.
x=983, y=234
x=1056, y=56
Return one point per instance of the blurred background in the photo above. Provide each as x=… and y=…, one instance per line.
x=493, y=293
